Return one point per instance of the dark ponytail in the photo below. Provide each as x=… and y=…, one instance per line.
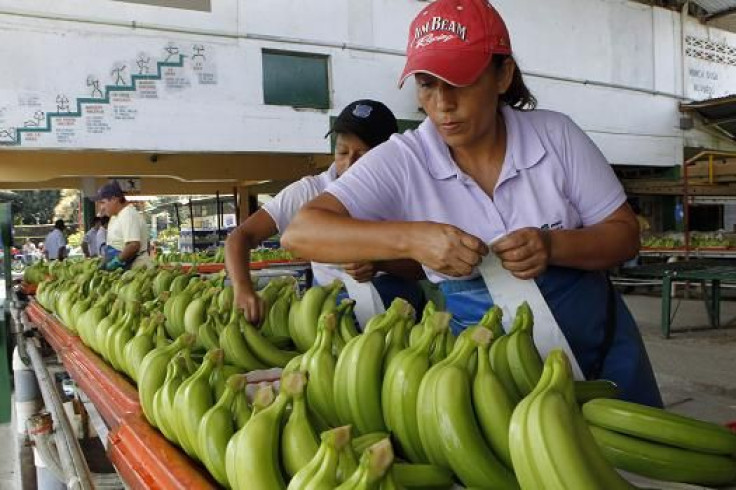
x=518, y=95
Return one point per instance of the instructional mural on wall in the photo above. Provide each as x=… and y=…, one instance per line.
x=107, y=100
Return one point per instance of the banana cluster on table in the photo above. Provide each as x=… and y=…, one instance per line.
x=403, y=404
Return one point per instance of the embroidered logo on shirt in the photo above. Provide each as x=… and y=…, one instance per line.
x=557, y=225
x=362, y=111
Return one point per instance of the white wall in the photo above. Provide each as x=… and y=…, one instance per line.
x=616, y=67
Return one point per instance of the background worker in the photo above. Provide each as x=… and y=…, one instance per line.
x=55, y=242
x=89, y=242
x=360, y=126
x=485, y=172
x=101, y=239
x=127, y=233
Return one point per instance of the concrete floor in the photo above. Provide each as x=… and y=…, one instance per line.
x=696, y=367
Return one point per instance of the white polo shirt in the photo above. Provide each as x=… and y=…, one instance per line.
x=55, y=240
x=127, y=226
x=553, y=177
x=284, y=206
x=90, y=238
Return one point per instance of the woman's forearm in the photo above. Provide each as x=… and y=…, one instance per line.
x=404, y=268
x=251, y=233
x=342, y=239
x=598, y=247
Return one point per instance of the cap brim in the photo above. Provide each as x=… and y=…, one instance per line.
x=458, y=68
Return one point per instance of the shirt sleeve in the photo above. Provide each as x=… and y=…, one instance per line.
x=373, y=188
x=284, y=206
x=131, y=227
x=592, y=186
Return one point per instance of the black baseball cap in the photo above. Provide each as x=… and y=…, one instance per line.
x=108, y=191
x=369, y=120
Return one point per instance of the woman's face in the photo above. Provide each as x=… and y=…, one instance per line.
x=348, y=149
x=464, y=115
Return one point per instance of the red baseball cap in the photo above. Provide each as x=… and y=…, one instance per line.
x=454, y=41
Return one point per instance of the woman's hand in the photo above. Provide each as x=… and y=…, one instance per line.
x=252, y=304
x=360, y=271
x=446, y=248
x=525, y=252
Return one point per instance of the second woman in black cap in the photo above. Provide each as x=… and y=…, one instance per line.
x=361, y=125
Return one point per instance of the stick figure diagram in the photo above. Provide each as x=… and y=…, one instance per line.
x=7, y=134
x=117, y=73
x=142, y=63
x=35, y=122
x=62, y=103
x=198, y=51
x=95, y=84
x=173, y=50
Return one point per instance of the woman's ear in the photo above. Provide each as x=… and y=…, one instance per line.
x=505, y=75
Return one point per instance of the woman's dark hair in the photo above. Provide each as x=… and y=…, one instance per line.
x=518, y=95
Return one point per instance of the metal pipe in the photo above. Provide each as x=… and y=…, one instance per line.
x=191, y=220
x=72, y=460
x=40, y=428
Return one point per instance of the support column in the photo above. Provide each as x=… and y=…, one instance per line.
x=243, y=204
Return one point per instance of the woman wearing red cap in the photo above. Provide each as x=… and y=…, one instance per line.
x=361, y=125
x=485, y=164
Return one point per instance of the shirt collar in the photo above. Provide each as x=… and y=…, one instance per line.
x=524, y=147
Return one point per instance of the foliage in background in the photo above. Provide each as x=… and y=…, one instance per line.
x=34, y=207
x=68, y=206
x=169, y=237
x=75, y=239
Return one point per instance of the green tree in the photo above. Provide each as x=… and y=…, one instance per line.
x=35, y=207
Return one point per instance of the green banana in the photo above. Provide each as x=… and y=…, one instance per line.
x=216, y=428
x=465, y=346
x=176, y=373
x=396, y=340
x=236, y=348
x=303, y=323
x=140, y=345
x=662, y=462
x=493, y=407
x=597, y=388
x=207, y=335
x=500, y=365
x=241, y=409
x=267, y=353
x=361, y=443
x=325, y=477
x=192, y=400
x=548, y=447
x=252, y=456
x=463, y=445
x=523, y=358
x=219, y=377
x=320, y=367
x=153, y=372
x=400, y=388
x=657, y=425
x=346, y=325
x=277, y=322
x=375, y=462
x=422, y=476
x=299, y=443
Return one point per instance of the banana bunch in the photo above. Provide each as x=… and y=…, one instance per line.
x=448, y=427
x=359, y=372
x=218, y=425
x=252, y=455
x=400, y=388
x=662, y=445
x=319, y=364
x=551, y=445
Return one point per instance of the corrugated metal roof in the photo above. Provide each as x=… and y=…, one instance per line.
x=719, y=113
x=714, y=7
